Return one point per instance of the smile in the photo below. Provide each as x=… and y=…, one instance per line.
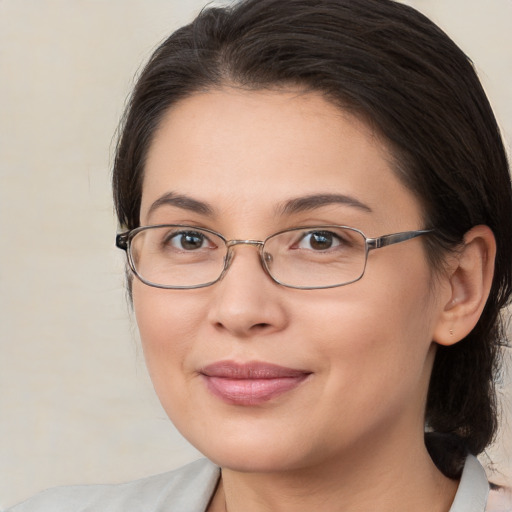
x=250, y=383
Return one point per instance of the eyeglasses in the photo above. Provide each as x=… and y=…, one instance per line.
x=311, y=257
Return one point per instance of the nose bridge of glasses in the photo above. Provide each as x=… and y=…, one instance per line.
x=232, y=243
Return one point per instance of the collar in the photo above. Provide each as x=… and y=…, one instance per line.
x=473, y=488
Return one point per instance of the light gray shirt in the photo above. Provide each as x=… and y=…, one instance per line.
x=190, y=488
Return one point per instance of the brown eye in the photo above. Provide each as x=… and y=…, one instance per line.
x=188, y=241
x=319, y=241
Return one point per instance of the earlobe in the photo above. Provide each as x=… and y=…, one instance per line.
x=469, y=281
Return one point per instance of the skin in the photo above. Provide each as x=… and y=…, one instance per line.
x=352, y=432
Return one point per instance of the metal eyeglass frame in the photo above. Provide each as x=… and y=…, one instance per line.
x=123, y=241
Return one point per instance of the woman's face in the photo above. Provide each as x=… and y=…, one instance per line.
x=262, y=377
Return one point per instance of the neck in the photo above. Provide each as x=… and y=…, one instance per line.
x=373, y=478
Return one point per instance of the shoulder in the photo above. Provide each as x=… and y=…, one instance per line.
x=187, y=489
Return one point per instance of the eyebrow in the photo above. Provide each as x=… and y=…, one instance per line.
x=183, y=202
x=295, y=205
x=311, y=202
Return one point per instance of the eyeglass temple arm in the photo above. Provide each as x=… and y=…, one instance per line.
x=395, y=238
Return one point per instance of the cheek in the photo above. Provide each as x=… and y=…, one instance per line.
x=168, y=325
x=366, y=342
x=376, y=337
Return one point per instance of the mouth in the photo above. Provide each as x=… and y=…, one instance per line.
x=250, y=383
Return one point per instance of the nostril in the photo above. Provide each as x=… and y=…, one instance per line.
x=260, y=327
x=255, y=328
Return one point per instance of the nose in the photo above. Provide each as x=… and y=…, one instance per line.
x=247, y=301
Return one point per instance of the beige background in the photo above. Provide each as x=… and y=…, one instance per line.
x=76, y=405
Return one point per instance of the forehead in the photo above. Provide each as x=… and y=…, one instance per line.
x=256, y=149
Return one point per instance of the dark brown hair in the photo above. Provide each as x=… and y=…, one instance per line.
x=392, y=66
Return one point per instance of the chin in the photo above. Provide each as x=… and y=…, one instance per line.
x=250, y=460
x=255, y=451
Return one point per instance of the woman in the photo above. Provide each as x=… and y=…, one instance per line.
x=317, y=214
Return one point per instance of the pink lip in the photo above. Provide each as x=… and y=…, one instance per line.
x=250, y=383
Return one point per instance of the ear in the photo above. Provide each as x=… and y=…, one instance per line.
x=469, y=282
